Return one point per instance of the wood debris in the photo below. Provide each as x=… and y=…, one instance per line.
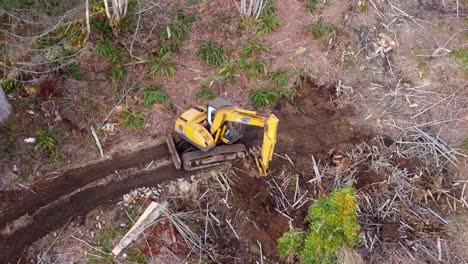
x=383, y=46
x=149, y=216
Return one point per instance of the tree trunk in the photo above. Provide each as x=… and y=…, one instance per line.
x=5, y=108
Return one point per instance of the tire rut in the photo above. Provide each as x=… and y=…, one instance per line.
x=58, y=214
x=18, y=203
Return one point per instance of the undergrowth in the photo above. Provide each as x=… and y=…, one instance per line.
x=333, y=224
x=253, y=47
x=268, y=20
x=163, y=64
x=253, y=68
x=104, y=239
x=117, y=73
x=131, y=119
x=107, y=49
x=154, y=95
x=228, y=70
x=206, y=94
x=280, y=77
x=211, y=53
x=460, y=56
x=10, y=86
x=75, y=72
x=264, y=97
x=44, y=141
x=177, y=29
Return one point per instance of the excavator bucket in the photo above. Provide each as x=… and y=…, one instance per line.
x=173, y=151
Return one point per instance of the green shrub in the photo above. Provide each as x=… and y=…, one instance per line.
x=131, y=119
x=290, y=93
x=163, y=65
x=264, y=97
x=268, y=21
x=280, y=77
x=136, y=256
x=44, y=141
x=333, y=224
x=10, y=86
x=107, y=49
x=318, y=29
x=253, y=68
x=177, y=29
x=154, y=95
x=228, y=70
x=460, y=55
x=104, y=238
x=464, y=144
x=117, y=73
x=312, y=5
x=253, y=47
x=291, y=242
x=75, y=72
x=101, y=24
x=211, y=53
x=206, y=94
x=334, y=30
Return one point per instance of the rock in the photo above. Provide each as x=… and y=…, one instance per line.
x=254, y=250
x=172, y=189
x=184, y=186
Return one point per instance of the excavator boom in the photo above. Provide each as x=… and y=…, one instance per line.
x=251, y=118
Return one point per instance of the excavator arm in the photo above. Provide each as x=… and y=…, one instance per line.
x=250, y=118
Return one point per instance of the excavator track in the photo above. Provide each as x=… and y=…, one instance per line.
x=196, y=160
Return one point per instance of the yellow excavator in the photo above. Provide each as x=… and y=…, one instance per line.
x=205, y=136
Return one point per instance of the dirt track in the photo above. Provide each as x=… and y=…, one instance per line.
x=56, y=215
x=318, y=128
x=18, y=203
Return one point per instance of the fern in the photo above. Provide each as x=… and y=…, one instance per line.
x=211, y=53
x=318, y=29
x=163, y=65
x=280, y=77
x=253, y=47
x=45, y=141
x=131, y=119
x=268, y=20
x=10, y=86
x=206, y=94
x=154, y=95
x=75, y=72
x=228, y=70
x=117, y=73
x=108, y=50
x=177, y=29
x=254, y=68
x=264, y=97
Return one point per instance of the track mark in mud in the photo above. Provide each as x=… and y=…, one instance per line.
x=17, y=203
x=58, y=214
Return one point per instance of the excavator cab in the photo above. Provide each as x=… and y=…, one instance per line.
x=232, y=131
x=206, y=128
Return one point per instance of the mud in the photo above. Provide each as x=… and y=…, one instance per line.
x=17, y=203
x=316, y=126
x=50, y=218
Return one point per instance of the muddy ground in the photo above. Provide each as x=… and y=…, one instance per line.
x=59, y=205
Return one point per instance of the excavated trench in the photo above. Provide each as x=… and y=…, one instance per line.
x=312, y=126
